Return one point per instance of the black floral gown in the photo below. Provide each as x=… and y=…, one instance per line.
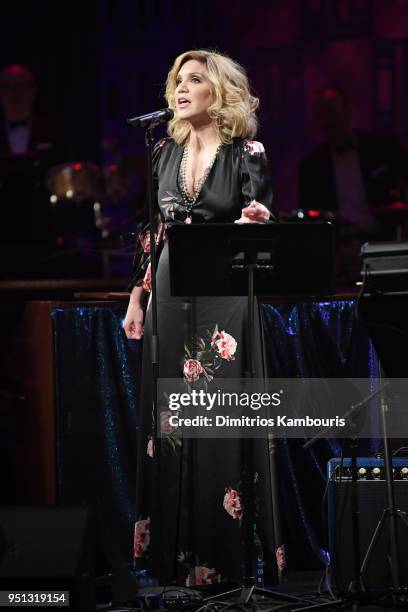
x=189, y=504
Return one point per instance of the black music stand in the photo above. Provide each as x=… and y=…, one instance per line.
x=252, y=259
x=300, y=255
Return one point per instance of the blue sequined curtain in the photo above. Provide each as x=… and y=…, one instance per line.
x=97, y=375
x=315, y=339
x=97, y=386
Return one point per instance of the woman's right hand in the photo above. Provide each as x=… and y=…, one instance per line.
x=255, y=212
x=133, y=323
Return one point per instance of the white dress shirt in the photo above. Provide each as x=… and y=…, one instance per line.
x=18, y=137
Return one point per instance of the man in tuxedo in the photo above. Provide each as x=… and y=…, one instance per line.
x=30, y=144
x=22, y=130
x=352, y=171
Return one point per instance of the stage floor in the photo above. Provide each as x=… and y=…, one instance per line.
x=305, y=585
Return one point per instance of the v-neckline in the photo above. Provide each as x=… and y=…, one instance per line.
x=186, y=196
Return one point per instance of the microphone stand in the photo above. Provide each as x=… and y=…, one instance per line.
x=155, y=349
x=357, y=593
x=148, y=122
x=153, y=265
x=390, y=514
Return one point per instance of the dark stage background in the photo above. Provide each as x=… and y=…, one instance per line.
x=100, y=62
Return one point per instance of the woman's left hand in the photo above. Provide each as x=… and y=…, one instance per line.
x=254, y=213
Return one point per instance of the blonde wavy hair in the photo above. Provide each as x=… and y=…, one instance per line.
x=233, y=109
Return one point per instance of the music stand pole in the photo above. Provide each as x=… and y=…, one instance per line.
x=249, y=587
x=248, y=481
x=153, y=265
x=248, y=530
x=277, y=543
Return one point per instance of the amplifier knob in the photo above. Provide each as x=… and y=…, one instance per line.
x=404, y=472
x=362, y=472
x=376, y=472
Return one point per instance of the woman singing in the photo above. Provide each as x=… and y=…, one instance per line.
x=189, y=500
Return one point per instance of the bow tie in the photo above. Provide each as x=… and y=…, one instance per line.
x=343, y=148
x=16, y=124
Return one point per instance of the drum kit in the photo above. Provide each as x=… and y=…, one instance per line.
x=70, y=219
x=90, y=203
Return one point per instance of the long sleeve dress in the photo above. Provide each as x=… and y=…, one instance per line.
x=189, y=499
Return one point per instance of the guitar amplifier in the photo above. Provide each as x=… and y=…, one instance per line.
x=371, y=502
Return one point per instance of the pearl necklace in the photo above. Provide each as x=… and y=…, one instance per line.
x=190, y=200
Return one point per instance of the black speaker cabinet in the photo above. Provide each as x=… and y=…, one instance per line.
x=371, y=496
x=48, y=548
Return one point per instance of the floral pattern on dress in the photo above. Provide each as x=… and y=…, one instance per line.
x=232, y=503
x=253, y=146
x=141, y=537
x=233, y=498
x=170, y=433
x=144, y=237
x=150, y=447
x=144, y=240
x=201, y=575
x=280, y=558
x=165, y=427
x=192, y=370
x=141, y=260
x=206, y=357
x=197, y=574
x=147, y=279
x=224, y=344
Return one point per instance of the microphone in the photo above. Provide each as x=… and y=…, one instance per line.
x=151, y=120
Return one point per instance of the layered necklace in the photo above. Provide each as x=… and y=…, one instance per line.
x=188, y=199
